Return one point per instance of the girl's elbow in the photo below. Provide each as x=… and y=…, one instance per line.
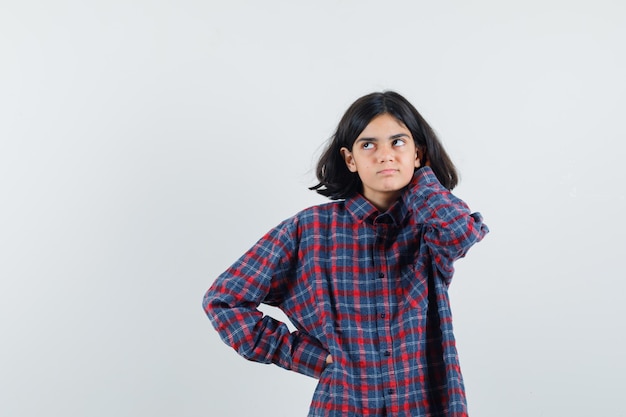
x=206, y=301
x=212, y=304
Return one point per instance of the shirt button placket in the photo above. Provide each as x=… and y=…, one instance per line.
x=384, y=342
x=385, y=346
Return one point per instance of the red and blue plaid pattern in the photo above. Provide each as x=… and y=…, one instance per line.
x=368, y=288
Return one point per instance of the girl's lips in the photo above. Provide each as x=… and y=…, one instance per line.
x=388, y=171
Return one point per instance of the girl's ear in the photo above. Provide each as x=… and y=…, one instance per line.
x=348, y=158
x=422, y=157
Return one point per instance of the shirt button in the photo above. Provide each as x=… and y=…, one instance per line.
x=381, y=275
x=387, y=353
x=382, y=316
x=390, y=391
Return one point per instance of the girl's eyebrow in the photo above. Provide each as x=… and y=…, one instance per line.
x=399, y=135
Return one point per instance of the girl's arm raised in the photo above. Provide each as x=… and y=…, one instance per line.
x=450, y=229
x=260, y=276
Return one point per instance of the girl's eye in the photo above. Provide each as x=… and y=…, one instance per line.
x=399, y=142
x=368, y=145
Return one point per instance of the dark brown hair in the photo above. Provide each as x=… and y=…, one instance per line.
x=337, y=182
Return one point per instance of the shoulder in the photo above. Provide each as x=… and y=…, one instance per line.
x=316, y=216
x=324, y=208
x=309, y=224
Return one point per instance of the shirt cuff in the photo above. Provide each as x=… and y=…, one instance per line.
x=424, y=176
x=423, y=184
x=309, y=357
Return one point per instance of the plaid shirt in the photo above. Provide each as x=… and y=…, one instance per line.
x=368, y=288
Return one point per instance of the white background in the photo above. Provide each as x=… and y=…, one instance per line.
x=146, y=144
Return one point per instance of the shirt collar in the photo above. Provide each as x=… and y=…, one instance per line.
x=361, y=209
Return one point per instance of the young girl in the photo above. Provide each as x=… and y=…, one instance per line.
x=364, y=279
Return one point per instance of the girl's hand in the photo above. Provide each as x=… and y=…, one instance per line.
x=329, y=359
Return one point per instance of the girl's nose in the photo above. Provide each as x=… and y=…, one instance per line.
x=386, y=154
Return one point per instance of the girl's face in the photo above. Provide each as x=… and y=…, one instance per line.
x=384, y=156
